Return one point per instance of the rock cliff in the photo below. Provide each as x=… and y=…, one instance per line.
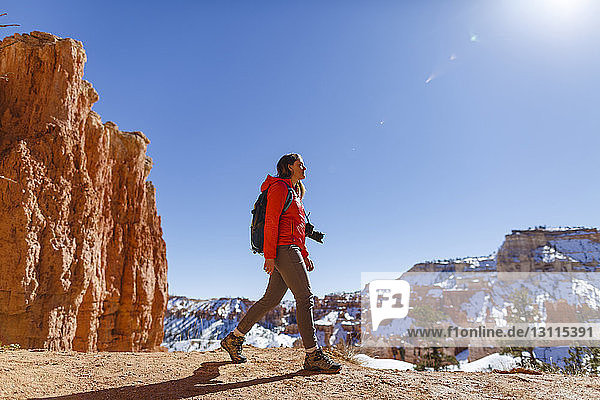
x=83, y=260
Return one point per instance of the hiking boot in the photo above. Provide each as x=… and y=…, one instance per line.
x=320, y=361
x=233, y=345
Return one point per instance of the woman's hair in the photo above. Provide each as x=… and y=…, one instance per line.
x=284, y=172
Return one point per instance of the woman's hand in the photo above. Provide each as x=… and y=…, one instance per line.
x=309, y=264
x=269, y=265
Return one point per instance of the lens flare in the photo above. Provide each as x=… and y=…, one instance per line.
x=557, y=11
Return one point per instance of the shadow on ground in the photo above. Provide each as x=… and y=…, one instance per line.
x=200, y=383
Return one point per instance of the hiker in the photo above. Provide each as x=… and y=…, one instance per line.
x=287, y=263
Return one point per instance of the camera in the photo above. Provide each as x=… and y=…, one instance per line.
x=309, y=231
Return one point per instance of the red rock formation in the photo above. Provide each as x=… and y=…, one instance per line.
x=83, y=262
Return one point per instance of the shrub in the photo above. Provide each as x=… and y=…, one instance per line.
x=12, y=346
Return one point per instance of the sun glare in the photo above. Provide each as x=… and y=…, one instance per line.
x=563, y=3
x=553, y=16
x=563, y=9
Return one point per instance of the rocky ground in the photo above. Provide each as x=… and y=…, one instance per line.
x=269, y=374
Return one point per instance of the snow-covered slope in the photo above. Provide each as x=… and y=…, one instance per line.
x=200, y=324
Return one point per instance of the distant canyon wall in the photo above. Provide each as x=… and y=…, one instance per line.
x=532, y=250
x=82, y=259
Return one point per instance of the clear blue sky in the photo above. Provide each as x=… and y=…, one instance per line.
x=489, y=110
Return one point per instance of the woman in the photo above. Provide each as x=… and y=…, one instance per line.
x=286, y=261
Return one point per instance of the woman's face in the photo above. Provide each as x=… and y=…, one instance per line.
x=298, y=169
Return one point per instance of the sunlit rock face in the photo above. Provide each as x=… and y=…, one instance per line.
x=83, y=263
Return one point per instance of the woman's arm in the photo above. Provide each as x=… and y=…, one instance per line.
x=275, y=200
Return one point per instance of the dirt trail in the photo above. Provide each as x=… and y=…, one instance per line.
x=269, y=374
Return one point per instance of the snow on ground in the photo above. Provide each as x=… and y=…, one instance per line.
x=263, y=338
x=549, y=254
x=485, y=364
x=191, y=345
x=493, y=361
x=382, y=363
x=210, y=339
x=329, y=319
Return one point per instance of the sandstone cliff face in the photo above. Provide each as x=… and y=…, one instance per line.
x=83, y=263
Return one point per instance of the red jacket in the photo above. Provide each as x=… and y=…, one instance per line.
x=289, y=229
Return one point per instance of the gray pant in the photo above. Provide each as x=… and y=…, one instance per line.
x=290, y=272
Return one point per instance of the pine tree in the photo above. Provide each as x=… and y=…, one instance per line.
x=435, y=359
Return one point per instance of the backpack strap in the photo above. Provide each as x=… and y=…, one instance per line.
x=288, y=199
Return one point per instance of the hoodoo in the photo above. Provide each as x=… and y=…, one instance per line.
x=83, y=262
